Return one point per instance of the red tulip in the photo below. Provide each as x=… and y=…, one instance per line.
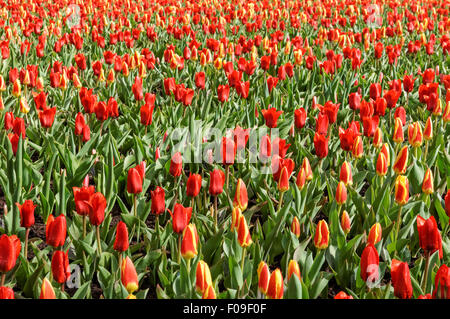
x=228, y=151
x=60, y=266
x=271, y=116
x=134, y=181
x=176, y=165
x=128, y=275
x=136, y=88
x=216, y=182
x=354, y=101
x=300, y=118
x=181, y=217
x=330, y=110
x=223, y=92
x=98, y=205
x=200, y=80
x=241, y=137
x=158, y=201
x=6, y=293
x=55, y=231
x=369, y=264
x=322, y=123
x=80, y=123
x=8, y=252
x=121, y=242
x=442, y=283
x=26, y=213
x=193, y=185
x=321, y=145
x=401, y=279
x=342, y=295
x=47, y=291
x=429, y=237
x=147, y=113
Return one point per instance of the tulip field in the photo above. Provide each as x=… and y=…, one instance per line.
x=224, y=149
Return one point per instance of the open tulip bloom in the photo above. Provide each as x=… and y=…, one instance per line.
x=225, y=149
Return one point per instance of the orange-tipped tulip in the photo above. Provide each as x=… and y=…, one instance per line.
x=275, y=287
x=47, y=291
x=401, y=190
x=382, y=165
x=321, y=238
x=283, y=182
x=209, y=293
x=16, y=88
x=398, y=131
x=235, y=216
x=401, y=161
x=293, y=269
x=295, y=227
x=240, y=196
x=415, y=136
x=244, y=237
x=128, y=275
x=427, y=185
x=357, y=149
x=263, y=277
x=189, y=242
x=301, y=179
x=307, y=167
x=428, y=131
x=385, y=151
x=341, y=193
x=346, y=223
x=202, y=277
x=345, y=174
x=375, y=233
x=377, y=138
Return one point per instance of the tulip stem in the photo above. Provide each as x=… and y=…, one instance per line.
x=179, y=248
x=157, y=228
x=215, y=212
x=62, y=287
x=27, y=233
x=227, y=174
x=99, y=247
x=84, y=226
x=399, y=220
x=135, y=207
x=280, y=202
x=244, y=251
x=2, y=283
x=426, y=152
x=425, y=274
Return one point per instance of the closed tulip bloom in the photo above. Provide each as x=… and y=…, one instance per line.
x=342, y=295
x=223, y=92
x=181, y=217
x=322, y=123
x=146, y=112
x=235, y=216
x=357, y=150
x=240, y=196
x=271, y=116
x=26, y=211
x=345, y=174
x=98, y=206
x=228, y=151
x=263, y=277
x=202, y=277
x=128, y=275
x=283, y=182
x=47, y=291
x=47, y=116
x=428, y=131
x=6, y=293
x=301, y=179
x=341, y=193
x=377, y=137
x=446, y=115
x=321, y=145
x=442, y=283
x=8, y=254
x=55, y=231
x=429, y=237
x=79, y=124
x=60, y=266
x=415, y=136
x=401, y=191
x=346, y=223
x=295, y=227
x=375, y=233
x=401, y=161
x=408, y=83
x=381, y=166
x=322, y=235
x=385, y=151
x=209, y=293
x=82, y=197
x=300, y=118
x=200, y=80
x=401, y=279
x=293, y=269
x=275, y=288
x=307, y=167
x=244, y=237
x=427, y=184
x=176, y=165
x=369, y=264
x=121, y=242
x=193, y=185
x=134, y=181
x=216, y=182
x=265, y=147
x=189, y=242
x=158, y=201
x=398, y=131
x=354, y=100
x=16, y=88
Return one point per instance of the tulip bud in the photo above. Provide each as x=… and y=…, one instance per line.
x=275, y=288
x=98, y=206
x=427, y=184
x=283, y=182
x=55, y=231
x=428, y=131
x=24, y=108
x=401, y=191
x=16, y=88
x=26, y=211
x=429, y=237
x=216, y=182
x=369, y=266
x=134, y=181
x=293, y=269
x=442, y=283
x=128, y=275
x=382, y=165
x=189, y=242
x=193, y=185
x=181, y=217
x=321, y=238
x=240, y=196
x=377, y=137
x=401, y=279
x=60, y=266
x=345, y=174
x=398, y=131
x=341, y=193
x=357, y=149
x=415, y=136
x=374, y=234
x=295, y=227
x=8, y=253
x=342, y=295
x=263, y=277
x=202, y=276
x=121, y=242
x=401, y=161
x=235, y=216
x=345, y=222
x=176, y=165
x=47, y=291
x=307, y=167
x=158, y=201
x=209, y=293
x=244, y=237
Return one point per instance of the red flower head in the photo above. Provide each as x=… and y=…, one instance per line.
x=200, y=80
x=369, y=264
x=321, y=145
x=47, y=117
x=216, y=182
x=60, y=266
x=223, y=92
x=375, y=91
x=137, y=89
x=354, y=100
x=429, y=237
x=240, y=137
x=158, y=201
x=228, y=151
x=98, y=206
x=280, y=147
x=26, y=213
x=330, y=110
x=300, y=118
x=193, y=185
x=442, y=283
x=271, y=116
x=55, y=231
x=401, y=279
x=176, y=165
x=121, y=242
x=134, y=181
x=181, y=217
